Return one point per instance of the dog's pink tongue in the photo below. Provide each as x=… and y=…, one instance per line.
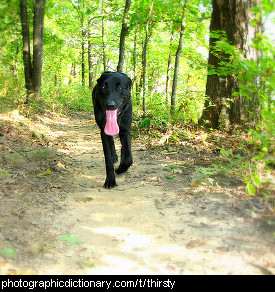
x=111, y=127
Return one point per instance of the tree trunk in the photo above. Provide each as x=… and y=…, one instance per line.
x=169, y=63
x=90, y=56
x=26, y=49
x=233, y=18
x=177, y=62
x=103, y=38
x=124, y=30
x=135, y=60
x=82, y=54
x=144, y=52
x=38, y=37
x=33, y=71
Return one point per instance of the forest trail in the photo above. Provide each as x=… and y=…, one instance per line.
x=149, y=224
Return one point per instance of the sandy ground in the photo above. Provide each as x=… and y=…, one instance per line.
x=65, y=222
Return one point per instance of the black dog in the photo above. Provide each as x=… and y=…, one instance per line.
x=113, y=114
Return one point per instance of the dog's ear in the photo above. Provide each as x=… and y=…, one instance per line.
x=128, y=79
x=103, y=76
x=100, y=79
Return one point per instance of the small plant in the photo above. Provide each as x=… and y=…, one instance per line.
x=5, y=172
x=259, y=164
x=70, y=239
x=8, y=251
x=84, y=200
x=253, y=183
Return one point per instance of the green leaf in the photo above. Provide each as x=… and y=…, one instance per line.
x=257, y=181
x=170, y=177
x=225, y=153
x=250, y=189
x=251, y=212
x=71, y=239
x=86, y=263
x=212, y=72
x=8, y=251
x=256, y=9
x=85, y=200
x=236, y=93
x=45, y=173
x=204, y=171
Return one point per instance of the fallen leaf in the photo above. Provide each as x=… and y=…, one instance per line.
x=84, y=200
x=36, y=248
x=71, y=239
x=196, y=243
x=85, y=263
x=8, y=251
x=45, y=173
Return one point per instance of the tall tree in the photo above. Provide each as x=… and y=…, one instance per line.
x=123, y=33
x=144, y=55
x=103, y=37
x=90, y=55
x=81, y=11
x=230, y=20
x=177, y=62
x=169, y=63
x=33, y=69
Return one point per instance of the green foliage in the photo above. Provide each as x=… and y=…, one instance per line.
x=204, y=171
x=8, y=251
x=255, y=77
x=66, y=97
x=68, y=23
x=4, y=172
x=71, y=239
x=263, y=144
x=85, y=200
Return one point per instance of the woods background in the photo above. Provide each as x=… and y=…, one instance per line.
x=193, y=61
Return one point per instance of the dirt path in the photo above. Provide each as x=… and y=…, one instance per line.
x=151, y=223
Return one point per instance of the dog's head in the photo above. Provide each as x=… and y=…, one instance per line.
x=114, y=90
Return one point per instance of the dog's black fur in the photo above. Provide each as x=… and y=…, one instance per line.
x=113, y=91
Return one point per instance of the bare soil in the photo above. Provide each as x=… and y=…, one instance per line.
x=164, y=217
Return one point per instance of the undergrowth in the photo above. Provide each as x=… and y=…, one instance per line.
x=248, y=155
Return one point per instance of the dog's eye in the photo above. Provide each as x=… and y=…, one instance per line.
x=120, y=88
x=103, y=87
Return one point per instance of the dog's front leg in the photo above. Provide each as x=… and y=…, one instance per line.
x=126, y=153
x=108, y=148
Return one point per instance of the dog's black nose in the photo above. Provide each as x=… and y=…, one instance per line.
x=110, y=105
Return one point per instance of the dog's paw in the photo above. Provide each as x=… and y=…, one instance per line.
x=110, y=183
x=123, y=167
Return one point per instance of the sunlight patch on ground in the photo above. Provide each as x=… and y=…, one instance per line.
x=130, y=239
x=136, y=253
x=57, y=120
x=58, y=134
x=117, y=265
